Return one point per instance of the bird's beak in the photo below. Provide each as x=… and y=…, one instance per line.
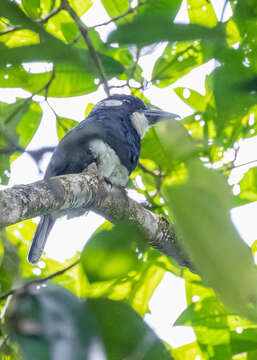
x=154, y=116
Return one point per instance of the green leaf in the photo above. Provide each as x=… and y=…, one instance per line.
x=228, y=88
x=19, y=38
x=81, y=6
x=68, y=80
x=178, y=59
x=29, y=124
x=208, y=235
x=136, y=340
x=10, y=265
x=39, y=8
x=201, y=12
x=55, y=51
x=18, y=123
x=63, y=27
x=110, y=254
x=188, y=352
x=141, y=31
x=59, y=324
x=248, y=185
x=192, y=98
x=64, y=125
x=160, y=8
x=116, y=7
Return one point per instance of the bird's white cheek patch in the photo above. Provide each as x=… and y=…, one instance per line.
x=140, y=123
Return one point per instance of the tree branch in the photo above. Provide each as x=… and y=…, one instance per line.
x=88, y=191
x=126, y=13
x=84, y=32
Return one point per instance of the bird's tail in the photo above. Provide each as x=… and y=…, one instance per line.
x=38, y=243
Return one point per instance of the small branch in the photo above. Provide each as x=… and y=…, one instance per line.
x=10, y=31
x=47, y=18
x=84, y=32
x=126, y=13
x=237, y=166
x=37, y=281
x=87, y=191
x=154, y=174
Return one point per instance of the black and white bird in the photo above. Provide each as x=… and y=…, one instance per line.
x=111, y=137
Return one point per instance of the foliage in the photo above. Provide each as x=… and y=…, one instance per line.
x=94, y=309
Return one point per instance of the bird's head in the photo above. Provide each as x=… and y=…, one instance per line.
x=130, y=106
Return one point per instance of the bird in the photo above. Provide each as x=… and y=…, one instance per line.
x=111, y=138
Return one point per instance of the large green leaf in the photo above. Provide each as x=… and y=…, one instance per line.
x=207, y=233
x=228, y=88
x=55, y=51
x=68, y=80
x=176, y=60
x=61, y=326
x=112, y=254
x=124, y=333
x=141, y=31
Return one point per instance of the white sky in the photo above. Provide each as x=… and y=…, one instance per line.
x=169, y=299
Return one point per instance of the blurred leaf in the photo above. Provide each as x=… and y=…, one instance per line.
x=39, y=8
x=209, y=253
x=141, y=31
x=135, y=341
x=81, y=6
x=68, y=80
x=116, y=8
x=10, y=265
x=177, y=60
x=74, y=279
x=248, y=185
x=160, y=8
x=112, y=254
x=63, y=27
x=53, y=323
x=228, y=81
x=20, y=38
x=64, y=125
x=18, y=123
x=29, y=124
x=193, y=98
x=233, y=34
x=188, y=352
x=55, y=51
x=201, y=12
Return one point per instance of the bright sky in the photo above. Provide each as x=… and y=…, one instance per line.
x=169, y=299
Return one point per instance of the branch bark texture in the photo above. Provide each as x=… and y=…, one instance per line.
x=91, y=192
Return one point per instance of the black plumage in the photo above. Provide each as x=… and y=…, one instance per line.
x=111, y=137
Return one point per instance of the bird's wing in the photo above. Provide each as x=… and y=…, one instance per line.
x=73, y=155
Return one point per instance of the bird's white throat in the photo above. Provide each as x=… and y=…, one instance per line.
x=140, y=123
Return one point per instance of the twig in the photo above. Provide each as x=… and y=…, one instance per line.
x=37, y=281
x=84, y=32
x=45, y=20
x=10, y=31
x=129, y=11
x=223, y=10
x=154, y=174
x=237, y=166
